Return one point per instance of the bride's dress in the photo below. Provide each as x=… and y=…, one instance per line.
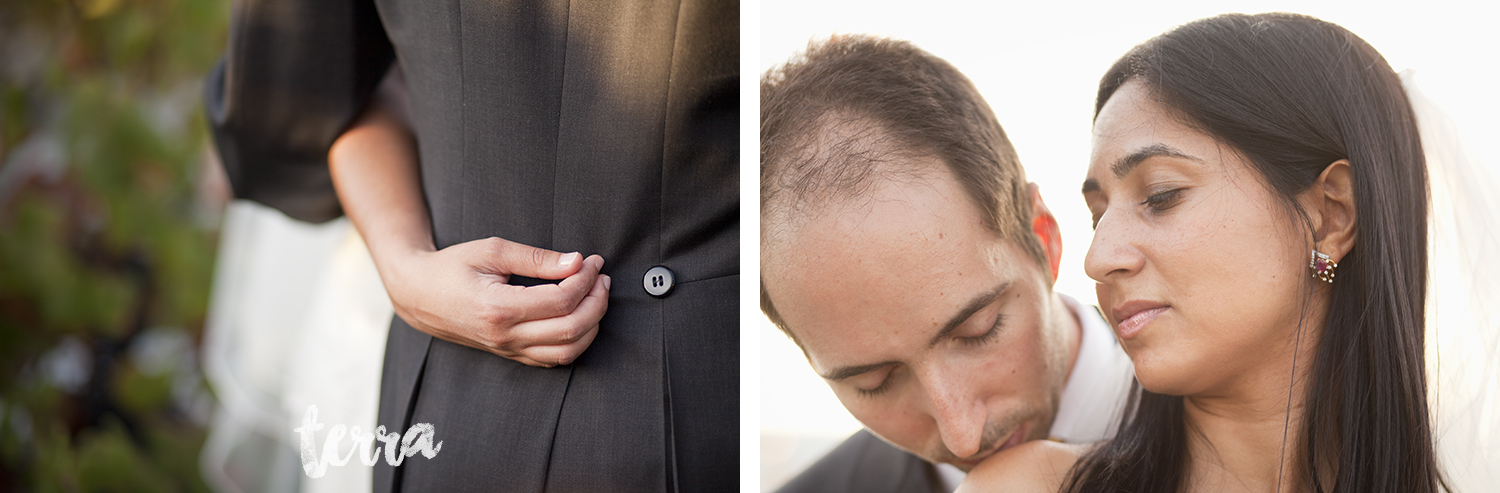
x=1463, y=306
x=298, y=317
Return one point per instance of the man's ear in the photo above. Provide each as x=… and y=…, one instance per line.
x=1045, y=227
x=1331, y=208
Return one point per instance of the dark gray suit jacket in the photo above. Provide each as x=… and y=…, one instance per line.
x=866, y=464
x=599, y=127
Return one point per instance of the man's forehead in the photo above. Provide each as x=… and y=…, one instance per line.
x=885, y=276
x=894, y=229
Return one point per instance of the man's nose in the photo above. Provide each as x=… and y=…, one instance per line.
x=959, y=416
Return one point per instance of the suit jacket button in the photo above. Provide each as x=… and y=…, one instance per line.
x=658, y=281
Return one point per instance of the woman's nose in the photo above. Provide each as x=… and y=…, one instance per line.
x=1113, y=251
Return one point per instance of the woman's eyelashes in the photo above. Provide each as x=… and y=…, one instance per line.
x=1157, y=202
x=1163, y=200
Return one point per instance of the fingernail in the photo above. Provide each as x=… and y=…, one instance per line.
x=567, y=259
x=606, y=283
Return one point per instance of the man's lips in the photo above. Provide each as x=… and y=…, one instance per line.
x=1017, y=437
x=1135, y=314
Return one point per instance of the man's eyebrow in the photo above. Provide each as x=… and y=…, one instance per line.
x=850, y=371
x=1126, y=164
x=974, y=305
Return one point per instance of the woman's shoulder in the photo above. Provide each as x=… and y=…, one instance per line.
x=1036, y=466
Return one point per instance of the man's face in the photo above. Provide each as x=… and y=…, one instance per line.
x=939, y=336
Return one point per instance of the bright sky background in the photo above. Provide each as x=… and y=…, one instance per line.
x=1038, y=65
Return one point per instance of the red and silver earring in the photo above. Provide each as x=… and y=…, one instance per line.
x=1323, y=266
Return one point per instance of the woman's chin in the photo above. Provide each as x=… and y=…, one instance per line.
x=1170, y=376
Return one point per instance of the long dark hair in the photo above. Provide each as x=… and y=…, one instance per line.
x=1293, y=94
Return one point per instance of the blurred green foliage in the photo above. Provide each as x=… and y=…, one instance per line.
x=105, y=232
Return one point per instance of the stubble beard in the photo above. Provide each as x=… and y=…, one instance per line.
x=995, y=430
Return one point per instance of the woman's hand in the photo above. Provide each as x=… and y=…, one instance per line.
x=462, y=294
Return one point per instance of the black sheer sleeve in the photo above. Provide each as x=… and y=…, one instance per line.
x=296, y=73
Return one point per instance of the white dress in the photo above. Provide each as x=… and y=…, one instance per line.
x=1463, y=318
x=298, y=317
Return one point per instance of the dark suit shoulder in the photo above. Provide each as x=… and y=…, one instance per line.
x=295, y=74
x=865, y=463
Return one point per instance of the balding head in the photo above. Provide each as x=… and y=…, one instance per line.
x=856, y=111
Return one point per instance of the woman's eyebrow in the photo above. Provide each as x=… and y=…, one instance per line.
x=1128, y=163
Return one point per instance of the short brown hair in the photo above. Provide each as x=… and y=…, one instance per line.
x=854, y=108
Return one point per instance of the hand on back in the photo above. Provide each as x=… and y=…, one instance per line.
x=462, y=294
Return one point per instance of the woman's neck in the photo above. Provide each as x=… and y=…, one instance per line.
x=1247, y=437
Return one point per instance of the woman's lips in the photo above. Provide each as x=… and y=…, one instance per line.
x=1134, y=316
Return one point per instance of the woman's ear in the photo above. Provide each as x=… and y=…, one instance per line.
x=1045, y=227
x=1332, y=210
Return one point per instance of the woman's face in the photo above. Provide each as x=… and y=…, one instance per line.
x=1200, y=268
